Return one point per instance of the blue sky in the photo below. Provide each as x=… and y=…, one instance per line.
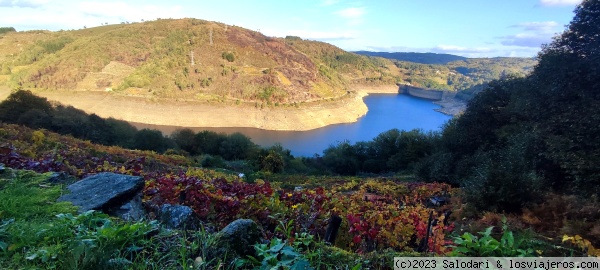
x=472, y=28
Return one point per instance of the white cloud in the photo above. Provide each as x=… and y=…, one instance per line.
x=475, y=52
x=459, y=49
x=23, y=3
x=533, y=34
x=545, y=27
x=526, y=40
x=351, y=13
x=549, y=3
x=329, y=2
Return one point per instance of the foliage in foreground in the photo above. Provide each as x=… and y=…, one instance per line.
x=372, y=209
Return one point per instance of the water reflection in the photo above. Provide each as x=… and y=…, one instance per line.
x=386, y=111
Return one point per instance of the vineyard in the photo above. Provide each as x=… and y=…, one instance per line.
x=379, y=215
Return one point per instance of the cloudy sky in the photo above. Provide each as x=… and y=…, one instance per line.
x=472, y=28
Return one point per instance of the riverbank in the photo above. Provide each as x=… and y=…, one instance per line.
x=451, y=106
x=305, y=116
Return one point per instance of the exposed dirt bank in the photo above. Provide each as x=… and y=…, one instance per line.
x=451, y=106
x=4, y=92
x=305, y=116
x=202, y=114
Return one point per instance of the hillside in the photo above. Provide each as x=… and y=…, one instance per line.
x=451, y=72
x=196, y=73
x=185, y=59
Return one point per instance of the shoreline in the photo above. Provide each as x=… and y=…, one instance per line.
x=451, y=106
x=195, y=114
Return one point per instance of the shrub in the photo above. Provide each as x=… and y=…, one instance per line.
x=505, y=179
x=4, y=30
x=213, y=162
x=486, y=245
x=229, y=56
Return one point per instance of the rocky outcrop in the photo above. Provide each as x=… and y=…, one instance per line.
x=237, y=239
x=177, y=216
x=111, y=193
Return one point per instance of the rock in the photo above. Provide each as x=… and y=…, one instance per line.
x=2, y=168
x=61, y=178
x=177, y=216
x=237, y=239
x=130, y=211
x=103, y=191
x=437, y=201
x=198, y=262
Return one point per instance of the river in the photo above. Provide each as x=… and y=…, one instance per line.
x=386, y=111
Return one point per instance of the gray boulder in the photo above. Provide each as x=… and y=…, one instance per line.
x=104, y=191
x=237, y=239
x=177, y=216
x=61, y=178
x=131, y=211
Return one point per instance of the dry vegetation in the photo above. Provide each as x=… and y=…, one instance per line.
x=154, y=59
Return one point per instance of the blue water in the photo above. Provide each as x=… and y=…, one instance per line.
x=386, y=111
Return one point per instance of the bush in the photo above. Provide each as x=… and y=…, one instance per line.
x=236, y=146
x=20, y=102
x=506, y=179
x=213, y=162
x=4, y=30
x=147, y=139
x=229, y=56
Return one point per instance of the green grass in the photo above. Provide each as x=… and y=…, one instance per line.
x=27, y=195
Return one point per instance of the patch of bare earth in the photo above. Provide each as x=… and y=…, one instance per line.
x=202, y=114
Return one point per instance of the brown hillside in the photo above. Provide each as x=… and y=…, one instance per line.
x=187, y=59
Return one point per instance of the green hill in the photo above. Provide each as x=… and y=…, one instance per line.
x=191, y=59
x=451, y=72
x=186, y=59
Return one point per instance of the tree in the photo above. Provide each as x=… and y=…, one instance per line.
x=4, y=30
x=150, y=139
x=185, y=139
x=122, y=131
x=236, y=146
x=526, y=135
x=19, y=102
x=341, y=159
x=35, y=119
x=209, y=142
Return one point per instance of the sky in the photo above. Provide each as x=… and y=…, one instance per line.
x=471, y=28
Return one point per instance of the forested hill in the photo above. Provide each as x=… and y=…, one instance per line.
x=421, y=58
x=192, y=59
x=452, y=72
x=187, y=59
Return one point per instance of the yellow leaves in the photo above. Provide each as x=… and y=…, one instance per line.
x=38, y=137
x=582, y=243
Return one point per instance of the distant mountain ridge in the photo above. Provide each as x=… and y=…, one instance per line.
x=415, y=57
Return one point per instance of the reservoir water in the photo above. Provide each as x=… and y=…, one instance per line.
x=386, y=111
